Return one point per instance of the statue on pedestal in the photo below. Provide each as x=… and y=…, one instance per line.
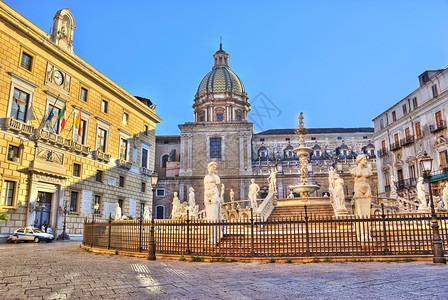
x=212, y=200
x=192, y=207
x=421, y=195
x=253, y=193
x=117, y=212
x=175, y=207
x=232, y=195
x=339, y=191
x=272, y=179
x=363, y=195
x=146, y=213
x=331, y=176
x=445, y=196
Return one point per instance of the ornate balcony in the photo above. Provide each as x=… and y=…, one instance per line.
x=437, y=127
x=13, y=124
x=407, y=141
x=124, y=164
x=395, y=146
x=146, y=171
x=101, y=156
x=382, y=152
x=61, y=141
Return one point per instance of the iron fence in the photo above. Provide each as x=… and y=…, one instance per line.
x=299, y=236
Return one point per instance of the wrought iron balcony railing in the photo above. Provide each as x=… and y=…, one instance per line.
x=438, y=126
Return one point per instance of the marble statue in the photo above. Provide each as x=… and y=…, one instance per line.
x=421, y=195
x=146, y=213
x=339, y=191
x=272, y=179
x=445, y=196
x=393, y=189
x=192, y=207
x=232, y=195
x=331, y=173
x=175, y=207
x=301, y=124
x=363, y=195
x=212, y=200
x=117, y=212
x=303, y=160
x=222, y=191
x=253, y=193
x=290, y=195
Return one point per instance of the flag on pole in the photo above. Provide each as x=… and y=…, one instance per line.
x=50, y=117
x=77, y=123
x=61, y=116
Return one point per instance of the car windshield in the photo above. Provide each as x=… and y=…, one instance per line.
x=37, y=230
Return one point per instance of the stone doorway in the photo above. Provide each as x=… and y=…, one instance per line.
x=43, y=209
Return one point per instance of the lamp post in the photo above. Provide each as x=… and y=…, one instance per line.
x=64, y=236
x=426, y=167
x=152, y=241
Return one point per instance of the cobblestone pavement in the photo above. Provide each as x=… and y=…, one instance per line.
x=63, y=270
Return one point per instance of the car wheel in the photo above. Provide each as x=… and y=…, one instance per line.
x=36, y=239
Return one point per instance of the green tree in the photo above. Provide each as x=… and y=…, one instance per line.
x=4, y=216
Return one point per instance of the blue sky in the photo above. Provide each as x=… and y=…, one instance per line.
x=340, y=62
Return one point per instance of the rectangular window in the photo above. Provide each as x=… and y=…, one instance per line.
x=219, y=117
x=121, y=181
x=101, y=140
x=143, y=187
x=444, y=159
x=435, y=92
x=381, y=124
x=144, y=158
x=13, y=153
x=125, y=118
x=97, y=200
x=76, y=170
x=261, y=140
x=439, y=120
x=339, y=137
x=104, y=107
x=74, y=201
x=414, y=102
x=288, y=139
x=8, y=193
x=364, y=137
x=142, y=209
x=397, y=140
x=19, y=105
x=80, y=138
x=53, y=124
x=83, y=94
x=407, y=133
x=394, y=116
x=123, y=149
x=99, y=176
x=418, y=130
x=383, y=146
x=121, y=203
x=215, y=147
x=145, y=130
x=313, y=138
x=405, y=109
x=160, y=192
x=27, y=61
x=411, y=171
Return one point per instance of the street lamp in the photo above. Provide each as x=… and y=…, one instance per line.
x=152, y=241
x=426, y=167
x=64, y=236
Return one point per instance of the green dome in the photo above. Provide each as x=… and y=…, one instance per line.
x=220, y=80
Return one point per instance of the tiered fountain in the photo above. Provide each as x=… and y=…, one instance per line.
x=304, y=188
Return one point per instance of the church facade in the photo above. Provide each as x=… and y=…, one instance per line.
x=222, y=133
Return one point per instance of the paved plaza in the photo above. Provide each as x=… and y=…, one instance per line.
x=62, y=270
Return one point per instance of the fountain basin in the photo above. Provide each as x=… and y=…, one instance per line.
x=304, y=190
x=303, y=151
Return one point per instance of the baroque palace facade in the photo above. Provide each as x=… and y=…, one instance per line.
x=415, y=124
x=222, y=133
x=51, y=169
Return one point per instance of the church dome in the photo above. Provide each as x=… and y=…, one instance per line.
x=221, y=96
x=221, y=80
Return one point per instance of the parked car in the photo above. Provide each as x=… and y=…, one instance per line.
x=31, y=234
